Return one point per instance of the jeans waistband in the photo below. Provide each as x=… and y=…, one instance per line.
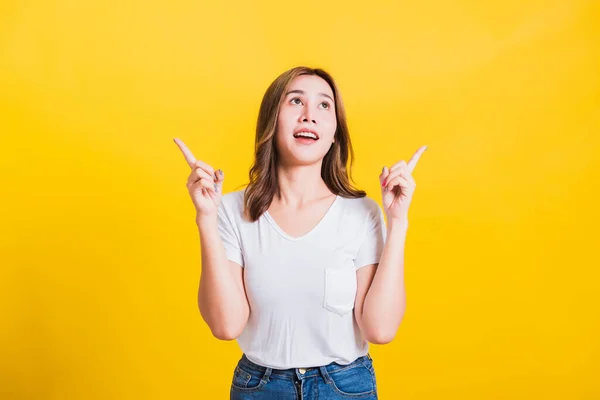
x=309, y=371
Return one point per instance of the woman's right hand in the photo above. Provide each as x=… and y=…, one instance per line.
x=204, y=184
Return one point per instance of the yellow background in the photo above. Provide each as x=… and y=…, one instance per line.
x=100, y=252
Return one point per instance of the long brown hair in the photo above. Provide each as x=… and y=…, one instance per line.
x=263, y=174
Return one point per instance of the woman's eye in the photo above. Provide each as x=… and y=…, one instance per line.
x=296, y=100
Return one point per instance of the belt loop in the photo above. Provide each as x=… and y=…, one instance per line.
x=325, y=374
x=368, y=355
x=267, y=374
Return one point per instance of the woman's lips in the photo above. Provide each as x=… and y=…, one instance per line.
x=305, y=140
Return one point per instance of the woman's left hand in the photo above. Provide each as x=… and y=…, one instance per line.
x=398, y=186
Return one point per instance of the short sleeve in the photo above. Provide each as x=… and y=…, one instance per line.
x=372, y=245
x=229, y=235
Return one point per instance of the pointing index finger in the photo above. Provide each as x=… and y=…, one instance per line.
x=187, y=153
x=412, y=163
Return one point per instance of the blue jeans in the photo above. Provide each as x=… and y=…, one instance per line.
x=333, y=381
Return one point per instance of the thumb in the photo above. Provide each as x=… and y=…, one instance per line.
x=219, y=175
x=384, y=174
x=219, y=178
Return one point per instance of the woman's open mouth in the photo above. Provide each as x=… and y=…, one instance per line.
x=306, y=137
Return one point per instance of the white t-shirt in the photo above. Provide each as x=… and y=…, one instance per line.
x=301, y=290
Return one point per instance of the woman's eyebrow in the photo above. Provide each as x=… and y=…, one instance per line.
x=302, y=92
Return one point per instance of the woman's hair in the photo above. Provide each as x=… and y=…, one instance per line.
x=263, y=183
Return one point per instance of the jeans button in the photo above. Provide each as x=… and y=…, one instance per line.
x=302, y=370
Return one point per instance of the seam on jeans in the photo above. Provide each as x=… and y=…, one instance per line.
x=243, y=374
x=353, y=395
x=374, y=380
x=262, y=383
x=367, y=366
x=354, y=364
x=296, y=389
x=371, y=369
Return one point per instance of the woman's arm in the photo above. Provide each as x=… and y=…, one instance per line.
x=381, y=296
x=221, y=296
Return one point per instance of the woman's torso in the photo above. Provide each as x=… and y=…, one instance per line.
x=301, y=290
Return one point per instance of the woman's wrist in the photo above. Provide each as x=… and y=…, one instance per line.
x=398, y=223
x=206, y=222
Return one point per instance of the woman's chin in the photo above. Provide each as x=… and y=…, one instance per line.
x=304, y=159
x=302, y=155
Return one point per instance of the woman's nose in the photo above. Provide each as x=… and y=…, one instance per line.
x=308, y=116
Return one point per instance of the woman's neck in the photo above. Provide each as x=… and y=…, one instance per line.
x=300, y=185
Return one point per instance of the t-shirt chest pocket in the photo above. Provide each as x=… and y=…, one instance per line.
x=340, y=289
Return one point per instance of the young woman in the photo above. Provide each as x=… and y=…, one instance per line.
x=300, y=266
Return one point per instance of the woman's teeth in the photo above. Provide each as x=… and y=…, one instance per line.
x=309, y=135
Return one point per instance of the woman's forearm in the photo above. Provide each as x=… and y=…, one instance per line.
x=221, y=296
x=385, y=301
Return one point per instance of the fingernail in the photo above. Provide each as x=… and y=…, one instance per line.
x=383, y=169
x=383, y=184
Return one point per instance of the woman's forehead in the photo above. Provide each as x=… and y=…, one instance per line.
x=310, y=84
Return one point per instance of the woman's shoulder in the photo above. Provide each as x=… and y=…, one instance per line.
x=362, y=205
x=233, y=200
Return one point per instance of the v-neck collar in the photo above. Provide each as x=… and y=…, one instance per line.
x=294, y=239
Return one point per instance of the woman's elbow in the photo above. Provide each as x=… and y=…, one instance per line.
x=226, y=332
x=224, y=328
x=381, y=334
x=381, y=337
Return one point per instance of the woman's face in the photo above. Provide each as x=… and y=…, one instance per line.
x=308, y=109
